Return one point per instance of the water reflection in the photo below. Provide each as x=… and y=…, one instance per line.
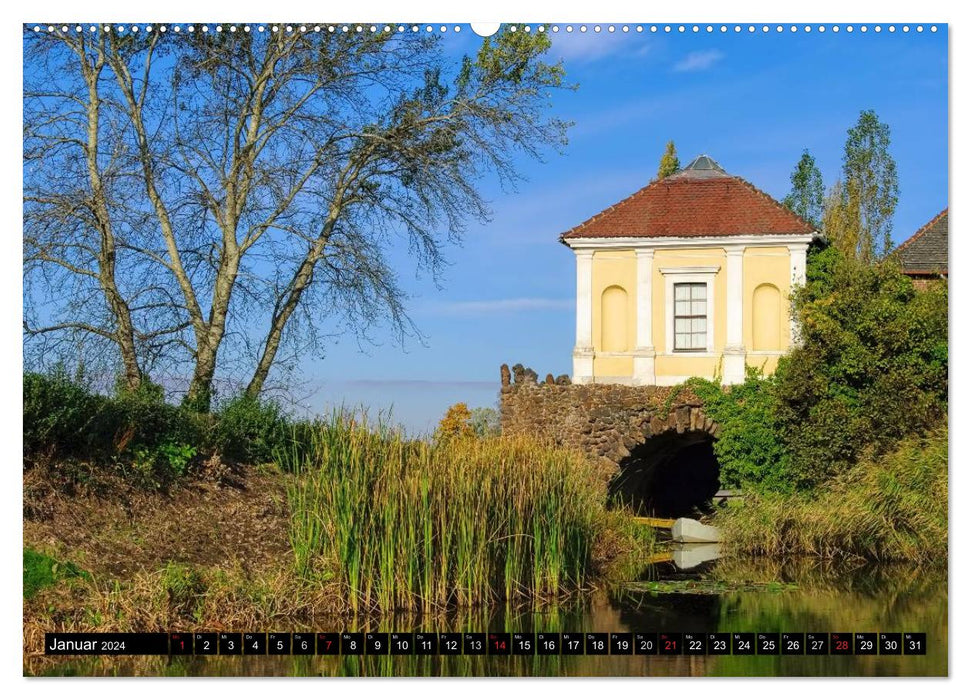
x=827, y=598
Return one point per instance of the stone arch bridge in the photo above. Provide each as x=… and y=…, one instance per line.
x=656, y=450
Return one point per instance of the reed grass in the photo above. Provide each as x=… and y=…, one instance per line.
x=888, y=508
x=419, y=525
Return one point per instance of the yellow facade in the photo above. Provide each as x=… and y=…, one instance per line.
x=765, y=324
x=614, y=270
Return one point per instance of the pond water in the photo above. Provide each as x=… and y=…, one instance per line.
x=727, y=596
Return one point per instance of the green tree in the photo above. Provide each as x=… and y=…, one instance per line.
x=838, y=225
x=870, y=185
x=871, y=369
x=806, y=196
x=669, y=162
x=486, y=421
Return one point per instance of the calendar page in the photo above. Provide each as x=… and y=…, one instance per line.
x=453, y=349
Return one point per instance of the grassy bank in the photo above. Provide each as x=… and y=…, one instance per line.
x=889, y=508
x=409, y=525
x=342, y=518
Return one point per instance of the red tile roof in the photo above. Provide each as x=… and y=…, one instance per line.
x=704, y=201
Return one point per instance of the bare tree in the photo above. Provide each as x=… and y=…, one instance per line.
x=70, y=244
x=276, y=169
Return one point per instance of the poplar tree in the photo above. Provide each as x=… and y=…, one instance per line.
x=806, y=196
x=669, y=162
x=870, y=185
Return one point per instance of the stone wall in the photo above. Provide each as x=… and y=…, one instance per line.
x=604, y=420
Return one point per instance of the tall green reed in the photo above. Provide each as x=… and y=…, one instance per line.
x=419, y=525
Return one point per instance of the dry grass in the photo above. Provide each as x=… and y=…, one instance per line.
x=178, y=597
x=892, y=508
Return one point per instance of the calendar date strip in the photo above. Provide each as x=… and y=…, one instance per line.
x=487, y=644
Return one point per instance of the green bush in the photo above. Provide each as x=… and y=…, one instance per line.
x=250, y=431
x=871, y=368
x=60, y=415
x=65, y=420
x=750, y=451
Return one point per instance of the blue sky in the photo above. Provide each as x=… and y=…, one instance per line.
x=751, y=101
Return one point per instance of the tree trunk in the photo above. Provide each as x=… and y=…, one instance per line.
x=124, y=331
x=301, y=280
x=199, y=395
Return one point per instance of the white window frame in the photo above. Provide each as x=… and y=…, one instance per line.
x=687, y=275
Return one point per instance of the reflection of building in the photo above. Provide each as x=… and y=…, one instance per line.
x=923, y=256
x=689, y=276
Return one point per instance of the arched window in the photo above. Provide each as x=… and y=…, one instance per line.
x=613, y=320
x=767, y=318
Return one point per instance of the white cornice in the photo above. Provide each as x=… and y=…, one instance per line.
x=693, y=270
x=749, y=240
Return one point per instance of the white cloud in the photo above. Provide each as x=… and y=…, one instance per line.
x=591, y=46
x=699, y=60
x=497, y=306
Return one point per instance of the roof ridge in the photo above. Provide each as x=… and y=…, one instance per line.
x=785, y=220
x=923, y=229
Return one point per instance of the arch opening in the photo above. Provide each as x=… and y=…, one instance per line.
x=669, y=475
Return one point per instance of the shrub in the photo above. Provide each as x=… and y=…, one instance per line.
x=66, y=420
x=59, y=415
x=871, y=368
x=751, y=453
x=144, y=420
x=890, y=507
x=250, y=431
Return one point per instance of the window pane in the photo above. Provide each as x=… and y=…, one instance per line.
x=682, y=325
x=699, y=308
x=699, y=291
x=682, y=291
x=698, y=325
x=698, y=340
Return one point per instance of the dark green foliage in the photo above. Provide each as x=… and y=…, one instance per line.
x=138, y=432
x=58, y=414
x=806, y=196
x=143, y=436
x=871, y=369
x=41, y=571
x=250, y=431
x=750, y=451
